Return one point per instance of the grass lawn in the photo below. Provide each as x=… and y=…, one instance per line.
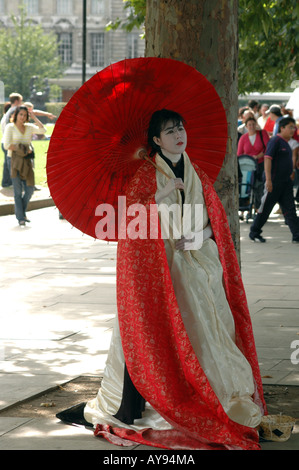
x=40, y=161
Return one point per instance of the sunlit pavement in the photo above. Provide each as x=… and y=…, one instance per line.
x=58, y=304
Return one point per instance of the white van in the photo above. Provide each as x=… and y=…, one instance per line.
x=269, y=98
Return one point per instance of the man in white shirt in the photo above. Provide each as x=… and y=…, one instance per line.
x=263, y=118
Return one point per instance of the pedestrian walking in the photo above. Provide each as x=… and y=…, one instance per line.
x=279, y=175
x=17, y=141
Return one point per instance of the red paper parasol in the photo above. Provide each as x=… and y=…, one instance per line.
x=93, y=151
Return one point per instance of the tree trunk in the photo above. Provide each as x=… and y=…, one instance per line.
x=204, y=34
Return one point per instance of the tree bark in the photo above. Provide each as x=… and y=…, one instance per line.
x=204, y=34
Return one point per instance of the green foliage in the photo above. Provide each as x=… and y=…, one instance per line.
x=268, y=45
x=55, y=108
x=27, y=51
x=135, y=10
x=268, y=42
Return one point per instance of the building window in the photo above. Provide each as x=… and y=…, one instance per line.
x=97, y=49
x=65, y=48
x=132, y=45
x=64, y=7
x=97, y=7
x=31, y=7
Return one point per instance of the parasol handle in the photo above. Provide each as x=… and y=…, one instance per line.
x=142, y=154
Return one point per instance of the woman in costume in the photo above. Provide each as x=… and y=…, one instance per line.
x=182, y=370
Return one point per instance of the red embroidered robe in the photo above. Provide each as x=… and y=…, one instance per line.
x=157, y=350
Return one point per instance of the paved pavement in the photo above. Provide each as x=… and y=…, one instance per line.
x=58, y=301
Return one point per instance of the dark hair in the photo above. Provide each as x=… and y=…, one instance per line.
x=242, y=110
x=18, y=109
x=253, y=103
x=6, y=106
x=156, y=125
x=285, y=121
x=250, y=118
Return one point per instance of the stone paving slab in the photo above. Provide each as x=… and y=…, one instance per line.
x=58, y=302
x=49, y=434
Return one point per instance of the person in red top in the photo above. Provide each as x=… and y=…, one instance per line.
x=254, y=143
x=269, y=126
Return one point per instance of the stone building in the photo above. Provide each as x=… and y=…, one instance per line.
x=65, y=18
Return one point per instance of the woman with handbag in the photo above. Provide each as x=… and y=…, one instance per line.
x=17, y=141
x=254, y=143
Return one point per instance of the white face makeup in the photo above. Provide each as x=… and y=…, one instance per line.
x=172, y=140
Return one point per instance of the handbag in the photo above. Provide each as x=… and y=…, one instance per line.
x=30, y=156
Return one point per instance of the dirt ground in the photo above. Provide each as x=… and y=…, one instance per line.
x=279, y=398
x=58, y=399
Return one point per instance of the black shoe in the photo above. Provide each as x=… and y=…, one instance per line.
x=295, y=240
x=74, y=415
x=257, y=238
